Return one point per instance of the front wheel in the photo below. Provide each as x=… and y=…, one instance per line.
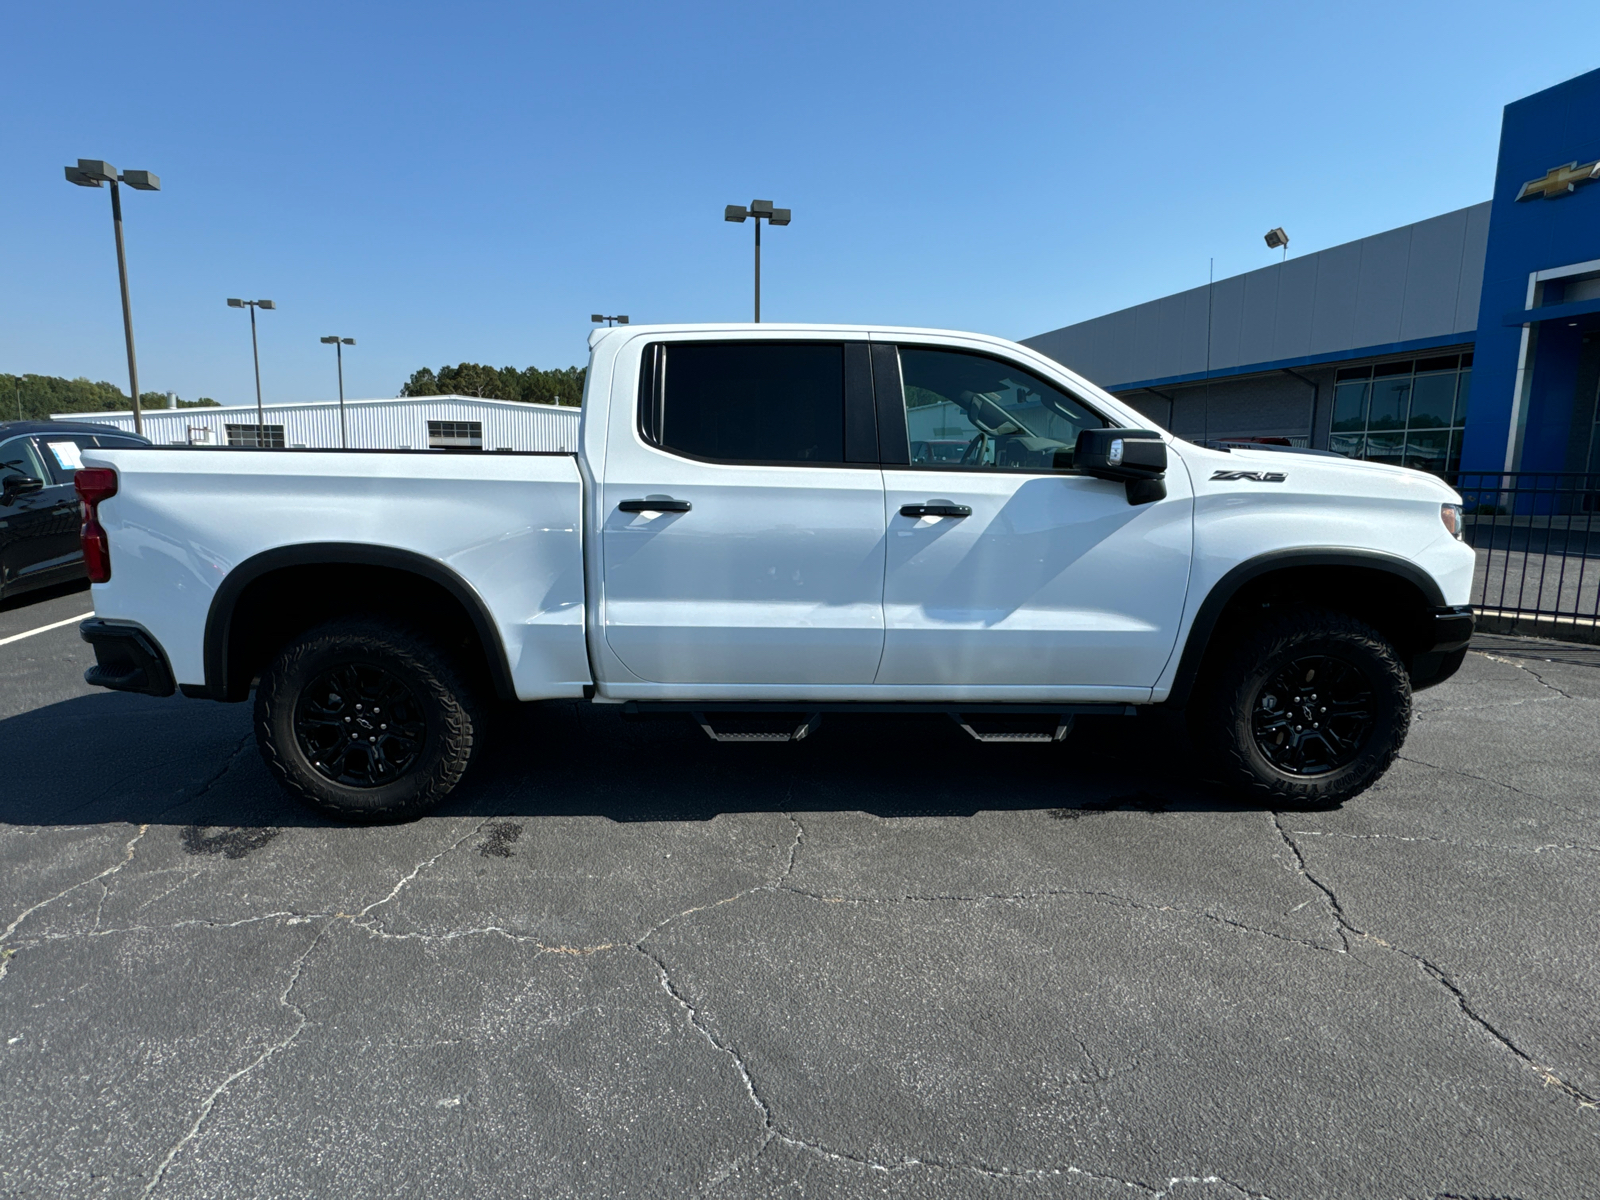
x=366, y=721
x=1308, y=710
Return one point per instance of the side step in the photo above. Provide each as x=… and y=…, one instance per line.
x=991, y=727
x=778, y=727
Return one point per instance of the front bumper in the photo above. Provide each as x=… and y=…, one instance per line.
x=127, y=659
x=1443, y=647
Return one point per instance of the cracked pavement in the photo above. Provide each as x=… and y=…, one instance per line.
x=885, y=961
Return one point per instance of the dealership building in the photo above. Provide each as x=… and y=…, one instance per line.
x=1469, y=341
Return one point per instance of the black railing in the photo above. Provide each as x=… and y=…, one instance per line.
x=1537, y=537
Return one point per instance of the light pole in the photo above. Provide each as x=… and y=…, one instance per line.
x=252, y=305
x=1276, y=238
x=610, y=321
x=760, y=210
x=338, y=344
x=92, y=172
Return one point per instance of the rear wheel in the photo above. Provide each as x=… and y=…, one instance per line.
x=1307, y=711
x=365, y=720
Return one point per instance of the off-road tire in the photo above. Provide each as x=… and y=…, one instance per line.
x=1241, y=683
x=443, y=705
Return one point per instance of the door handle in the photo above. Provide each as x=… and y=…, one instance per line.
x=640, y=506
x=935, y=510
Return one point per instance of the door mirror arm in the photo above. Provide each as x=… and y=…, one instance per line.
x=1135, y=457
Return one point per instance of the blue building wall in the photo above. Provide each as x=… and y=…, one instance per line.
x=1548, y=129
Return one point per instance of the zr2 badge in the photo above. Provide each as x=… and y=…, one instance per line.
x=1252, y=476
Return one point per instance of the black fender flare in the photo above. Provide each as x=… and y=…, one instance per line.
x=219, y=619
x=1224, y=590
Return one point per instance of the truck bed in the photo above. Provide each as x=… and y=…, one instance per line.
x=508, y=526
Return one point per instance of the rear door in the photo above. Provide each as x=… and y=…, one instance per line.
x=1006, y=568
x=743, y=526
x=62, y=455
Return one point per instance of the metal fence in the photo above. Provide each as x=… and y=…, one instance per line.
x=1537, y=537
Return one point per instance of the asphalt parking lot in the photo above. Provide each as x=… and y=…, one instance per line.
x=884, y=962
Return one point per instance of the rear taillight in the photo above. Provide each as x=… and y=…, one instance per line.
x=95, y=484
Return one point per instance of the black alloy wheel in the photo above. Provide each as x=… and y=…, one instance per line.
x=367, y=720
x=1304, y=710
x=360, y=725
x=1313, y=715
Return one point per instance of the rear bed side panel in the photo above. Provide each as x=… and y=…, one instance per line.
x=509, y=526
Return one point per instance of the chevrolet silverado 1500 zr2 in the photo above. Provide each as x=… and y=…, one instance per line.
x=781, y=521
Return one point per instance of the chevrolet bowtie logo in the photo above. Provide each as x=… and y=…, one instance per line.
x=1558, y=181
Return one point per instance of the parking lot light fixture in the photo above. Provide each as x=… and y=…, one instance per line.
x=94, y=172
x=255, y=353
x=610, y=321
x=339, y=343
x=759, y=211
x=1276, y=238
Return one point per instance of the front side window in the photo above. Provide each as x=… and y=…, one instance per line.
x=976, y=412
x=17, y=457
x=746, y=402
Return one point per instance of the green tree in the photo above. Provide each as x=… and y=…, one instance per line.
x=39, y=397
x=530, y=385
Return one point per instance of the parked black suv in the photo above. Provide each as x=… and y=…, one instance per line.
x=38, y=508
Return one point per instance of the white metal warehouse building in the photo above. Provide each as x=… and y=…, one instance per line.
x=410, y=423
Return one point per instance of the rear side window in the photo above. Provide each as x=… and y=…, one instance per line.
x=62, y=453
x=746, y=402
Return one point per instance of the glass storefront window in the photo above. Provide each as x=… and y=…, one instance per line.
x=1410, y=412
x=1461, y=394
x=1350, y=405
x=1433, y=401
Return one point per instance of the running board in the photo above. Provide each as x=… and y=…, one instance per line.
x=1063, y=726
x=798, y=733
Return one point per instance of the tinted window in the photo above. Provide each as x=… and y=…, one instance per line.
x=17, y=457
x=972, y=411
x=61, y=453
x=111, y=442
x=751, y=401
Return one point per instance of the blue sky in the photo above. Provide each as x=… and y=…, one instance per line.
x=469, y=181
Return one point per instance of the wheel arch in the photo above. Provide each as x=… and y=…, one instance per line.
x=1360, y=581
x=232, y=656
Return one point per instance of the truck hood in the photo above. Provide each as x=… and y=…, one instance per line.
x=1317, y=474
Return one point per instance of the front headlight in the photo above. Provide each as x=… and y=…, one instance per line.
x=1450, y=514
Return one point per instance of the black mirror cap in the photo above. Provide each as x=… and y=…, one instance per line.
x=20, y=485
x=1121, y=454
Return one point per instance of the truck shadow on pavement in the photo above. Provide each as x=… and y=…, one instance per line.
x=122, y=758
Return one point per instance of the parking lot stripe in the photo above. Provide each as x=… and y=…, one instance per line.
x=17, y=637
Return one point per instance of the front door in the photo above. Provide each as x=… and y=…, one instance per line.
x=743, y=526
x=30, y=525
x=1006, y=568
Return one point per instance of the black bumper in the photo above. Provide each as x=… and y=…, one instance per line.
x=127, y=659
x=1443, y=647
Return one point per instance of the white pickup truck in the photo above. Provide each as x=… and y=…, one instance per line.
x=764, y=523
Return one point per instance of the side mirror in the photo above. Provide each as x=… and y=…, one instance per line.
x=18, y=485
x=1136, y=457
